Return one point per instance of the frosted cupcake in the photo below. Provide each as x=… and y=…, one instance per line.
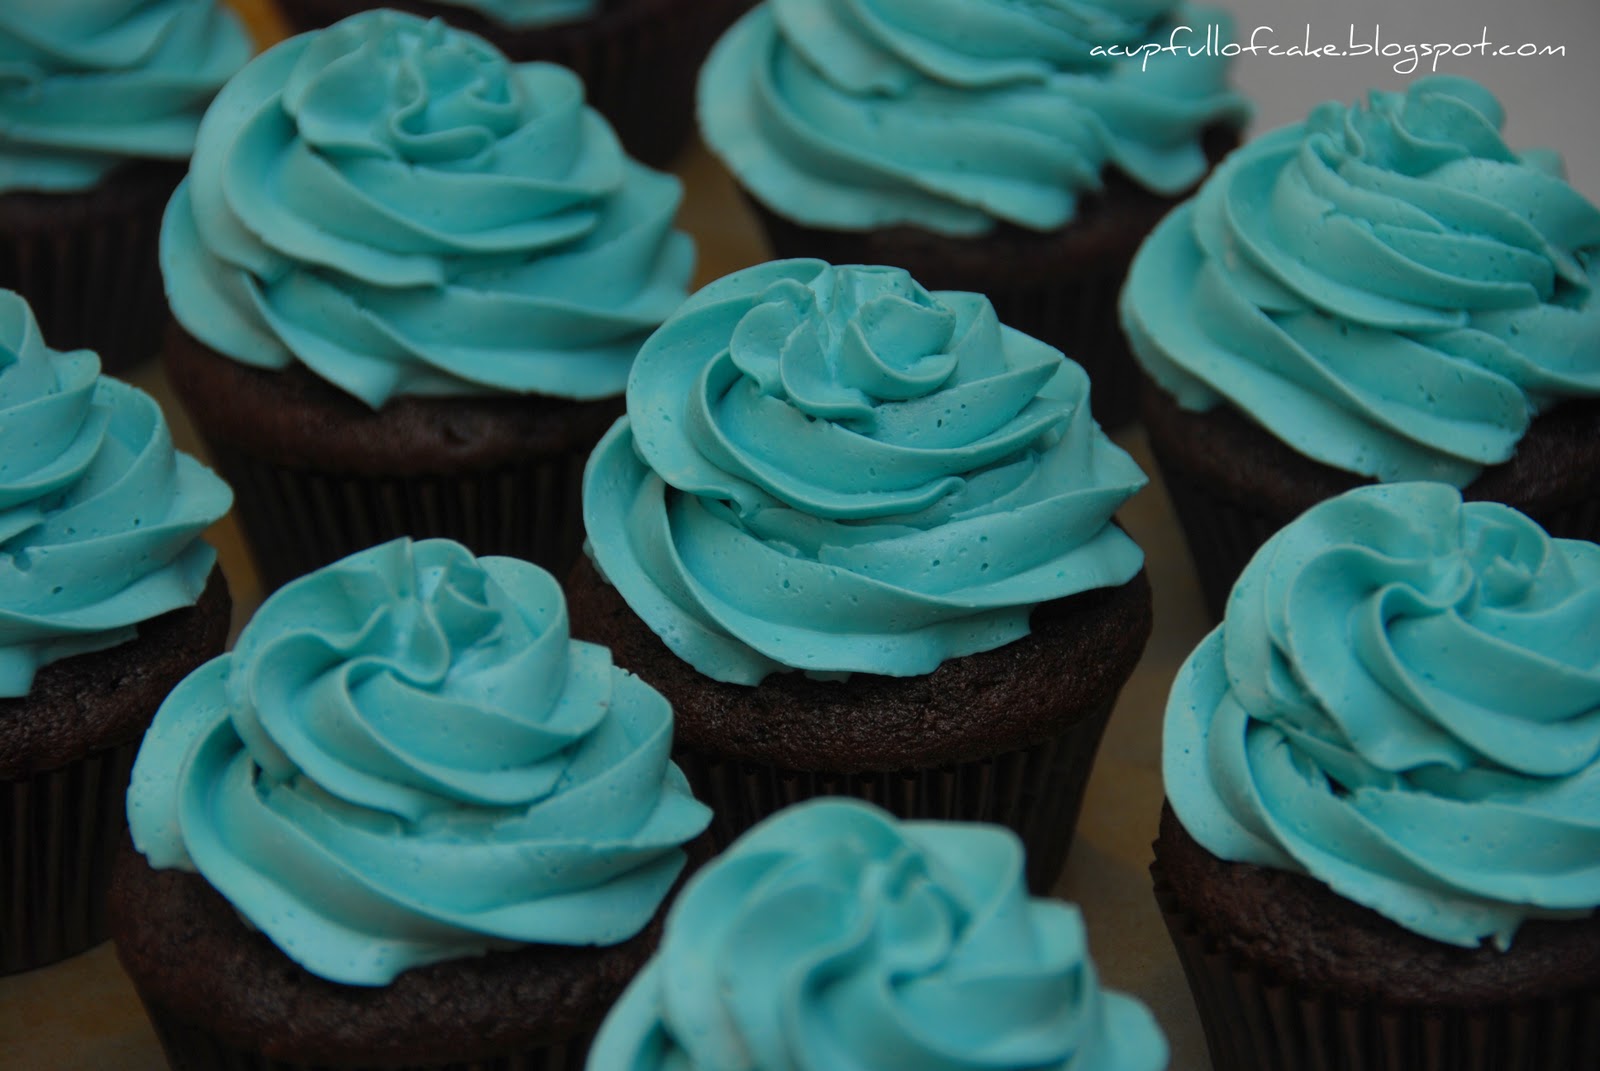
x=406, y=823
x=1381, y=847
x=411, y=309
x=832, y=936
x=1383, y=292
x=108, y=597
x=860, y=534
x=99, y=103
x=985, y=147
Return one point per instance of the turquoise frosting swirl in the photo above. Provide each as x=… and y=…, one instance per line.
x=85, y=87
x=834, y=470
x=393, y=204
x=100, y=518
x=405, y=759
x=832, y=937
x=1404, y=702
x=1388, y=289
x=955, y=115
x=524, y=13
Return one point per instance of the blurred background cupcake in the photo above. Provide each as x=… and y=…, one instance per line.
x=861, y=536
x=405, y=823
x=1382, y=849
x=985, y=147
x=833, y=936
x=637, y=58
x=1383, y=292
x=99, y=103
x=411, y=278
x=108, y=597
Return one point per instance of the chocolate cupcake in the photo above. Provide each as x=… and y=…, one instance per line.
x=1381, y=848
x=98, y=110
x=993, y=148
x=410, y=310
x=108, y=597
x=1383, y=292
x=860, y=535
x=637, y=58
x=833, y=936
x=406, y=823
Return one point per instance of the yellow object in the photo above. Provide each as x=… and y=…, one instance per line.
x=266, y=25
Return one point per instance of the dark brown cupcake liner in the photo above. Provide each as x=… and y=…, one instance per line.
x=639, y=59
x=66, y=751
x=61, y=829
x=1255, y=1022
x=1222, y=536
x=296, y=520
x=87, y=262
x=318, y=475
x=1580, y=520
x=1232, y=486
x=193, y=1048
x=1036, y=791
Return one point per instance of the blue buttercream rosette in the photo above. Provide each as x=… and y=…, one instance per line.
x=956, y=116
x=1386, y=287
x=832, y=469
x=87, y=87
x=100, y=518
x=393, y=204
x=834, y=937
x=405, y=759
x=1404, y=703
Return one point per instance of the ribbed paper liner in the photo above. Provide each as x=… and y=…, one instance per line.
x=192, y=1048
x=1081, y=321
x=1036, y=791
x=639, y=59
x=61, y=830
x=89, y=269
x=1581, y=520
x=1222, y=536
x=1254, y=1022
x=296, y=520
x=640, y=72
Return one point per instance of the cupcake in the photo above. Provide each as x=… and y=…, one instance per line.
x=1383, y=292
x=637, y=58
x=108, y=597
x=405, y=823
x=833, y=936
x=98, y=109
x=860, y=535
x=410, y=309
x=988, y=147
x=1382, y=849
